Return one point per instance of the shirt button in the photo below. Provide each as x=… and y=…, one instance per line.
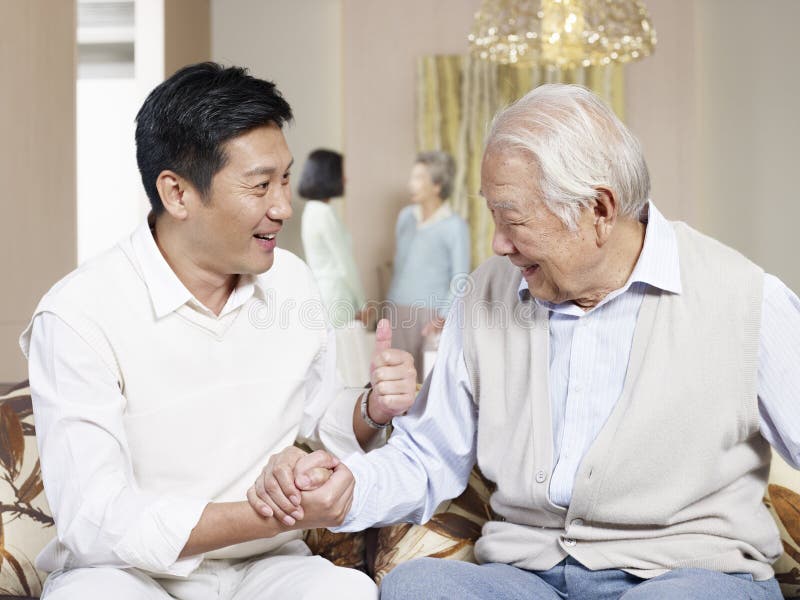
x=569, y=542
x=540, y=476
x=577, y=522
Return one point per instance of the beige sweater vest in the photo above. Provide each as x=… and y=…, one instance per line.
x=676, y=476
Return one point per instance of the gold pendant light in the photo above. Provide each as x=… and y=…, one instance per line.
x=562, y=33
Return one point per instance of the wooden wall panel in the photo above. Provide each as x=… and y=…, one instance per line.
x=37, y=162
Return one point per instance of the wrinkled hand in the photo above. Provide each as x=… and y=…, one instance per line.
x=275, y=491
x=393, y=378
x=328, y=504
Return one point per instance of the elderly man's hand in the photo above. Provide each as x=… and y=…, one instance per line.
x=328, y=504
x=393, y=378
x=276, y=491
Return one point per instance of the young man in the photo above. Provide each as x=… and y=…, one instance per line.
x=165, y=371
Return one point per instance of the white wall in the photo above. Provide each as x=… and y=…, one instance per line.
x=37, y=163
x=661, y=108
x=716, y=111
x=713, y=107
x=298, y=45
x=110, y=200
x=382, y=41
x=748, y=90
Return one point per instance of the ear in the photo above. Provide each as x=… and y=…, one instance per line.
x=605, y=214
x=176, y=194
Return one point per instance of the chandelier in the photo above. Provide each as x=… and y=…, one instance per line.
x=562, y=33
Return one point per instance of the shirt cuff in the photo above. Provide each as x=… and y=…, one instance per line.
x=154, y=542
x=362, y=513
x=336, y=427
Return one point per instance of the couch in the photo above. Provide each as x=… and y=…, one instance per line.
x=26, y=524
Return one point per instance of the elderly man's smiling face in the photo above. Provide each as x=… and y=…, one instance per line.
x=558, y=264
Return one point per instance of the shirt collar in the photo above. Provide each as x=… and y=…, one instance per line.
x=167, y=292
x=441, y=213
x=658, y=263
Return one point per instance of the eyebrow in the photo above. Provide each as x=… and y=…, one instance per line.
x=265, y=170
x=503, y=205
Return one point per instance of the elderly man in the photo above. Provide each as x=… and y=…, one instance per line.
x=165, y=371
x=619, y=377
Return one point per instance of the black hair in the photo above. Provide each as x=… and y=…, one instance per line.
x=322, y=176
x=185, y=121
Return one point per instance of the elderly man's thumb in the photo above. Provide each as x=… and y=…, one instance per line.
x=313, y=478
x=313, y=470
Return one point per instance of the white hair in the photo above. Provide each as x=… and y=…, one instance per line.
x=442, y=169
x=579, y=145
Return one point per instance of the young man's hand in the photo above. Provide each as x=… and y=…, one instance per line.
x=327, y=505
x=277, y=490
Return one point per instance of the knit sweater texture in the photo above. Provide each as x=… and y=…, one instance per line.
x=676, y=476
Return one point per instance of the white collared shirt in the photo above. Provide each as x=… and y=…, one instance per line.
x=440, y=214
x=432, y=450
x=329, y=253
x=104, y=515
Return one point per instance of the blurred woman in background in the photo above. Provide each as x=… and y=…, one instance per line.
x=432, y=248
x=328, y=249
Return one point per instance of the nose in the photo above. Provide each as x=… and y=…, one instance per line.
x=280, y=207
x=501, y=243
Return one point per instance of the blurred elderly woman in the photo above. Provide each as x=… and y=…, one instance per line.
x=432, y=248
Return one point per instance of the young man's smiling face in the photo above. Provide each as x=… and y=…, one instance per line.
x=234, y=230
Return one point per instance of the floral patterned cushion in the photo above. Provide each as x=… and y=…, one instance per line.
x=26, y=524
x=783, y=500
x=451, y=532
x=342, y=549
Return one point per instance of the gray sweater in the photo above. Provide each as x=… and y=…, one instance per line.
x=677, y=474
x=427, y=258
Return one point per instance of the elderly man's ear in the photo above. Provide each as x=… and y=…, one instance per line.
x=605, y=214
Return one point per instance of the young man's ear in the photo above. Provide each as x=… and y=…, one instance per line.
x=176, y=194
x=605, y=214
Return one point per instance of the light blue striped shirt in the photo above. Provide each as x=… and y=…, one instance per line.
x=432, y=450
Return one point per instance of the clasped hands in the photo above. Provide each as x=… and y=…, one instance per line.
x=309, y=490
x=303, y=491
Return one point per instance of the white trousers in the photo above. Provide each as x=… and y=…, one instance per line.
x=275, y=577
